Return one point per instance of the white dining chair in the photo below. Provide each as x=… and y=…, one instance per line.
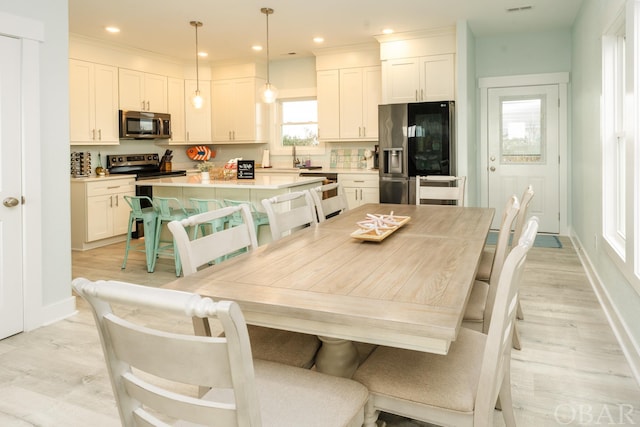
x=483, y=293
x=292, y=348
x=440, y=189
x=160, y=377
x=486, y=260
x=461, y=388
x=289, y=212
x=329, y=200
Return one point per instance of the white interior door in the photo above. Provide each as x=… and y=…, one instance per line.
x=11, y=289
x=523, y=149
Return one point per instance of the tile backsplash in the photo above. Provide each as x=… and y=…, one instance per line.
x=348, y=158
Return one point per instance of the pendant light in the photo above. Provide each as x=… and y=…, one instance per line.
x=269, y=91
x=197, y=100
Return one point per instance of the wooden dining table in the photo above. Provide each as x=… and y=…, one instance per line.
x=408, y=291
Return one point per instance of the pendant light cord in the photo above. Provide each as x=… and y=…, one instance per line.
x=268, y=75
x=197, y=66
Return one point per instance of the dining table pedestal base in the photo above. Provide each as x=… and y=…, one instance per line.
x=337, y=357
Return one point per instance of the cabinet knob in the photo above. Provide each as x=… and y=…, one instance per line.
x=11, y=202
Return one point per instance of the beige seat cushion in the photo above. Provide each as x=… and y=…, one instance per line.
x=449, y=381
x=299, y=397
x=290, y=348
x=477, y=303
x=486, y=261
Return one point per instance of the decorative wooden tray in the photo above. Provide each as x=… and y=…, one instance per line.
x=376, y=228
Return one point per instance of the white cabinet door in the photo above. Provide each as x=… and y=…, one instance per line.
x=198, y=120
x=426, y=78
x=106, y=104
x=360, y=188
x=372, y=97
x=238, y=113
x=222, y=124
x=143, y=91
x=437, y=78
x=351, y=95
x=155, y=92
x=93, y=103
x=176, y=107
x=120, y=210
x=245, y=110
x=328, y=96
x=99, y=217
x=401, y=80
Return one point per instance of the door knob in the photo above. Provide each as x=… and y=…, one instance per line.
x=492, y=168
x=11, y=202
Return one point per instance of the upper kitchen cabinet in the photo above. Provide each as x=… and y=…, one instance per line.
x=328, y=97
x=175, y=107
x=197, y=121
x=239, y=116
x=418, y=66
x=93, y=102
x=360, y=94
x=427, y=78
x=348, y=93
x=143, y=91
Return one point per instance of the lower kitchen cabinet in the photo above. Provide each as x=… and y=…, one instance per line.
x=99, y=213
x=360, y=188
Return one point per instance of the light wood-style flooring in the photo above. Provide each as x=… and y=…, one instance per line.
x=570, y=371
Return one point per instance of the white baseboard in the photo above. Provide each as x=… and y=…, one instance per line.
x=55, y=312
x=629, y=346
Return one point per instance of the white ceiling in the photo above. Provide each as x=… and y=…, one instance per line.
x=231, y=27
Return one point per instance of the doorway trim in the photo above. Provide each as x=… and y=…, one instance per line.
x=560, y=79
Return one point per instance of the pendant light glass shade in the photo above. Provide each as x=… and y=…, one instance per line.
x=269, y=91
x=197, y=100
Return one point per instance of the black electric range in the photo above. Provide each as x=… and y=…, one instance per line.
x=143, y=166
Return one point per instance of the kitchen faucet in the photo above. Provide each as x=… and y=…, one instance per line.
x=296, y=162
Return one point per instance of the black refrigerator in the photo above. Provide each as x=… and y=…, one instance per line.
x=415, y=139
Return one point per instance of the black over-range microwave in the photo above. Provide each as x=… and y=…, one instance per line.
x=144, y=125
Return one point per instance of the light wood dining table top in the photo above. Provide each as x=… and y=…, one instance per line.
x=408, y=291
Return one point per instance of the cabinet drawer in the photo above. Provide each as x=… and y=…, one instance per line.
x=111, y=187
x=360, y=181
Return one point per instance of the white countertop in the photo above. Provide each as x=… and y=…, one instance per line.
x=318, y=172
x=93, y=178
x=261, y=182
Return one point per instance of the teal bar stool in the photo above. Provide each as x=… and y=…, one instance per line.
x=149, y=217
x=259, y=218
x=206, y=205
x=169, y=209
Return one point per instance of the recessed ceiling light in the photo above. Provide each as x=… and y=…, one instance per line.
x=519, y=9
x=387, y=31
x=318, y=39
x=256, y=47
x=112, y=29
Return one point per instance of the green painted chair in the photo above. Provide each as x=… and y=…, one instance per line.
x=149, y=217
x=206, y=205
x=259, y=218
x=169, y=209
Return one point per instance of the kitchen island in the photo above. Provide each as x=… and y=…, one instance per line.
x=251, y=190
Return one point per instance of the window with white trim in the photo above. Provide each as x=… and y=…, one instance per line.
x=297, y=125
x=614, y=139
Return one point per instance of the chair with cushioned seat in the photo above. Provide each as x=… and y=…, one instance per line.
x=169, y=209
x=289, y=212
x=462, y=387
x=286, y=347
x=149, y=216
x=160, y=377
x=332, y=205
x=482, y=296
x=435, y=189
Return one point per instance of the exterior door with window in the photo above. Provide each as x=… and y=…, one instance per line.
x=523, y=149
x=11, y=288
